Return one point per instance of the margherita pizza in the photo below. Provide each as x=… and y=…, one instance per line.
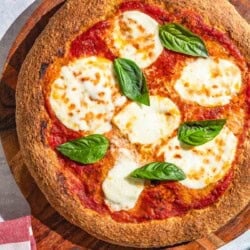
x=133, y=117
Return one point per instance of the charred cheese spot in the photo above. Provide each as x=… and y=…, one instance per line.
x=85, y=94
x=205, y=164
x=209, y=82
x=148, y=124
x=135, y=36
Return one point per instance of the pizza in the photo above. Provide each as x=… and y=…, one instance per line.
x=133, y=117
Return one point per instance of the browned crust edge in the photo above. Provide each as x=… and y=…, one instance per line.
x=43, y=163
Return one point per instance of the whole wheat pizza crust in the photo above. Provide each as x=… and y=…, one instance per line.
x=33, y=121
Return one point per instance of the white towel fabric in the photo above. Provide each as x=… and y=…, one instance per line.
x=13, y=13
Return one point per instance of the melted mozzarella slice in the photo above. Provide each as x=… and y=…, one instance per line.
x=85, y=94
x=204, y=164
x=121, y=192
x=135, y=36
x=209, y=82
x=148, y=124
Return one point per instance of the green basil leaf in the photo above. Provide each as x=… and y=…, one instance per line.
x=196, y=133
x=162, y=171
x=177, y=38
x=132, y=81
x=85, y=150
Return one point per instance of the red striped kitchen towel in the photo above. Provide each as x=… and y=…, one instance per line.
x=17, y=234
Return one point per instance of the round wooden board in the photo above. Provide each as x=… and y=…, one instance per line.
x=52, y=231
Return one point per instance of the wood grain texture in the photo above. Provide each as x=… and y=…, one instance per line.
x=243, y=7
x=52, y=231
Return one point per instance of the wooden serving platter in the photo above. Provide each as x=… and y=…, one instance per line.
x=51, y=230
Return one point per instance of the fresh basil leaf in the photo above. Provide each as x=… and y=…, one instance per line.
x=196, y=133
x=162, y=171
x=177, y=38
x=85, y=150
x=132, y=81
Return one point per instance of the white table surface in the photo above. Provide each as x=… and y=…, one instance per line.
x=13, y=14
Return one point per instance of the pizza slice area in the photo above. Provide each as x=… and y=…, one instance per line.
x=121, y=192
x=85, y=95
x=148, y=124
x=209, y=82
x=204, y=164
x=135, y=36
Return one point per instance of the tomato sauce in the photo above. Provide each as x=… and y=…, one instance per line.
x=160, y=200
x=248, y=93
x=91, y=43
x=60, y=134
x=219, y=189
